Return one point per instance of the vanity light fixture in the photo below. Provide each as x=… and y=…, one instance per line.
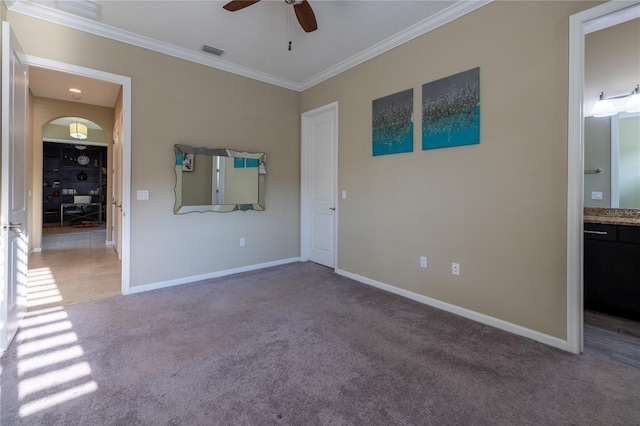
x=78, y=131
x=605, y=108
x=633, y=104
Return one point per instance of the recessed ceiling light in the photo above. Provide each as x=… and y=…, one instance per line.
x=74, y=90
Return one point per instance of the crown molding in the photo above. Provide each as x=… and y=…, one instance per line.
x=449, y=14
x=97, y=28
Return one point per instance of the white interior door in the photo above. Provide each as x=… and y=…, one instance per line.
x=14, y=246
x=319, y=184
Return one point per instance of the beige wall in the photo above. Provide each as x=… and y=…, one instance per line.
x=45, y=110
x=497, y=208
x=174, y=101
x=611, y=62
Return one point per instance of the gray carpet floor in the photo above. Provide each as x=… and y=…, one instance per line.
x=296, y=345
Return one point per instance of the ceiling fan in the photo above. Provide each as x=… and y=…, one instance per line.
x=304, y=12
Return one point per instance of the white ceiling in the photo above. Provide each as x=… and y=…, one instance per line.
x=53, y=84
x=255, y=39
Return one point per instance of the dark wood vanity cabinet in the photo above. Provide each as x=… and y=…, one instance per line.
x=612, y=269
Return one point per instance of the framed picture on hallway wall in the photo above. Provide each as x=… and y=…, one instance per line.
x=187, y=162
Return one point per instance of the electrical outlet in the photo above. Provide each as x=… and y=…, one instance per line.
x=242, y=242
x=455, y=269
x=423, y=261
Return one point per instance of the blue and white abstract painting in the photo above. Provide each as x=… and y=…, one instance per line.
x=451, y=111
x=393, y=123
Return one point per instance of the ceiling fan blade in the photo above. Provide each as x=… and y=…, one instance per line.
x=305, y=15
x=234, y=5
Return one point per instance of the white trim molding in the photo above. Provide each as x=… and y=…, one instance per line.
x=579, y=25
x=195, y=278
x=455, y=11
x=125, y=82
x=463, y=312
x=97, y=28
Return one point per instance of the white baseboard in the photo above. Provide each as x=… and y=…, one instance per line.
x=35, y=250
x=217, y=274
x=472, y=315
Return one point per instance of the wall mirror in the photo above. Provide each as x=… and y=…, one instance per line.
x=612, y=161
x=218, y=180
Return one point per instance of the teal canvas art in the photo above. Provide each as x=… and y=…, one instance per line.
x=451, y=111
x=393, y=123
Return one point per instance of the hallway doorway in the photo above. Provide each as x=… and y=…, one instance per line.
x=96, y=84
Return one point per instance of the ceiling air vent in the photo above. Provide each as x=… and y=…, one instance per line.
x=212, y=50
x=86, y=8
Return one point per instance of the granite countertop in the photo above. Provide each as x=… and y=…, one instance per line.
x=629, y=217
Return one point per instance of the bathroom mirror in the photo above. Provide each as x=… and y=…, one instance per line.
x=218, y=180
x=612, y=161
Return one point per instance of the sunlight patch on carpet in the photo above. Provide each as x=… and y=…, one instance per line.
x=52, y=365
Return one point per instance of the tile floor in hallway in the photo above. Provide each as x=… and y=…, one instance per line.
x=75, y=266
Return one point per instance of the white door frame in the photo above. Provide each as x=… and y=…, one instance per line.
x=116, y=187
x=578, y=24
x=126, y=147
x=305, y=194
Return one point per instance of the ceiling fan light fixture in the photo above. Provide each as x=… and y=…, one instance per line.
x=78, y=131
x=304, y=12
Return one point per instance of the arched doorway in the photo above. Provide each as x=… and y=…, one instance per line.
x=74, y=173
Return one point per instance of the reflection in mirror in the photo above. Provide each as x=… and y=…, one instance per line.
x=612, y=161
x=218, y=180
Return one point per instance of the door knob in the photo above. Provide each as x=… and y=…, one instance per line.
x=332, y=208
x=13, y=226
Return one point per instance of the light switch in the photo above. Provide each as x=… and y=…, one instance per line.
x=344, y=195
x=143, y=194
x=596, y=195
